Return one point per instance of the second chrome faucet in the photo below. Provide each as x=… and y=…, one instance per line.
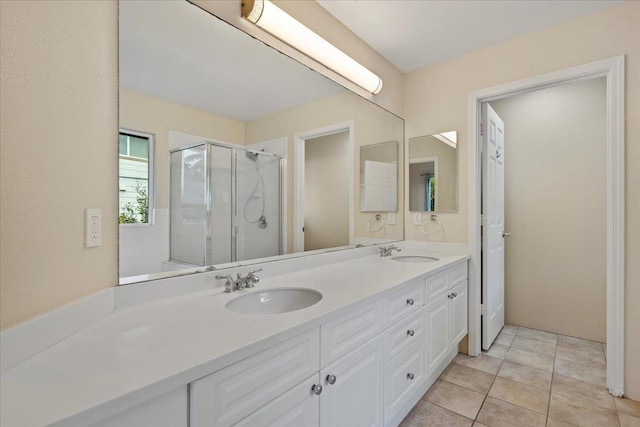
x=248, y=281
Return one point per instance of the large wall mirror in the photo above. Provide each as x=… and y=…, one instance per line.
x=231, y=152
x=433, y=173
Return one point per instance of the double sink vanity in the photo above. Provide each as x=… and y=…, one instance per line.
x=341, y=338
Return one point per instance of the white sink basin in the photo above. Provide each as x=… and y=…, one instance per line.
x=274, y=301
x=414, y=258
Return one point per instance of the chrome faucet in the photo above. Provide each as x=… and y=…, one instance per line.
x=248, y=281
x=386, y=251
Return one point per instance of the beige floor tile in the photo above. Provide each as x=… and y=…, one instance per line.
x=477, y=424
x=426, y=414
x=629, y=421
x=470, y=378
x=456, y=398
x=510, y=328
x=529, y=358
x=582, y=372
x=552, y=422
x=504, y=339
x=526, y=375
x=497, y=413
x=520, y=394
x=628, y=406
x=535, y=346
x=573, y=412
x=482, y=362
x=586, y=393
x=498, y=351
x=581, y=355
x=579, y=343
x=536, y=334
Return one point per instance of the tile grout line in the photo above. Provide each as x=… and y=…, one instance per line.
x=553, y=373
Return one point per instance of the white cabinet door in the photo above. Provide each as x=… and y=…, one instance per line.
x=356, y=396
x=458, y=313
x=231, y=394
x=437, y=331
x=299, y=407
x=402, y=377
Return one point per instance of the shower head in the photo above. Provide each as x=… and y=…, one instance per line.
x=251, y=156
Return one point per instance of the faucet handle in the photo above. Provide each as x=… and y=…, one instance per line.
x=229, y=284
x=252, y=279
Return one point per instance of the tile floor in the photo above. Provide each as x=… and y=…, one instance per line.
x=527, y=378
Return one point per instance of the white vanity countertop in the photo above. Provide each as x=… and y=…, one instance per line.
x=138, y=353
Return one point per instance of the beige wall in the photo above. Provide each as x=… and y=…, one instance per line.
x=555, y=208
x=436, y=98
x=59, y=133
x=372, y=125
x=326, y=191
x=323, y=23
x=147, y=114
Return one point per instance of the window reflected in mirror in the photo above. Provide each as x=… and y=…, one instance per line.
x=433, y=173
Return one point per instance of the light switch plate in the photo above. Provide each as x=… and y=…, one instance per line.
x=92, y=227
x=391, y=218
x=417, y=218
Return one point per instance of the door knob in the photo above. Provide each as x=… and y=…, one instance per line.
x=505, y=234
x=316, y=389
x=410, y=376
x=410, y=301
x=410, y=332
x=331, y=379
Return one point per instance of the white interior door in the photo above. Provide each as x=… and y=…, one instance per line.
x=492, y=225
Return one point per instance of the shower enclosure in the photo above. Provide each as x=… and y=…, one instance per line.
x=225, y=204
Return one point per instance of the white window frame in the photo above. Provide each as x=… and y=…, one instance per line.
x=151, y=172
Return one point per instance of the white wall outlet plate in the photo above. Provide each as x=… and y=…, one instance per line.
x=391, y=218
x=92, y=227
x=417, y=218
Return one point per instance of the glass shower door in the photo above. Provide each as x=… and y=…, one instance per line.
x=257, y=215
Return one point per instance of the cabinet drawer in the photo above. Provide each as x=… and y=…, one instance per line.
x=438, y=284
x=350, y=331
x=403, y=376
x=459, y=273
x=407, y=301
x=298, y=407
x=227, y=396
x=406, y=332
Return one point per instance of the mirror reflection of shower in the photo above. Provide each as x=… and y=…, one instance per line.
x=225, y=204
x=258, y=194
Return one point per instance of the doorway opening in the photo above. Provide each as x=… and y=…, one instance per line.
x=323, y=187
x=613, y=72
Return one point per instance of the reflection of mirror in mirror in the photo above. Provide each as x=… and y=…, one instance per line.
x=433, y=173
x=188, y=79
x=379, y=177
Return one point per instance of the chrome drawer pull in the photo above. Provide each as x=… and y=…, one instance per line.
x=316, y=389
x=410, y=332
x=331, y=379
x=410, y=376
x=410, y=301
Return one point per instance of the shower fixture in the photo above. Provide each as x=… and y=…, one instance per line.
x=255, y=194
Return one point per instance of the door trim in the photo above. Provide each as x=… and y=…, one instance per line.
x=299, y=140
x=613, y=70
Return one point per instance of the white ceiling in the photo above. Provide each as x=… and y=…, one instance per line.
x=174, y=51
x=412, y=34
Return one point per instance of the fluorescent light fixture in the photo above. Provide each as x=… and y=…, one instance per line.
x=449, y=138
x=274, y=20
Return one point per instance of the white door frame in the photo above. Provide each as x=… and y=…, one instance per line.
x=299, y=140
x=613, y=70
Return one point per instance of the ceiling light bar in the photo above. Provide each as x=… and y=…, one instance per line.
x=274, y=20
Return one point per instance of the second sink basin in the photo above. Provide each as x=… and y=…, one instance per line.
x=414, y=258
x=274, y=301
